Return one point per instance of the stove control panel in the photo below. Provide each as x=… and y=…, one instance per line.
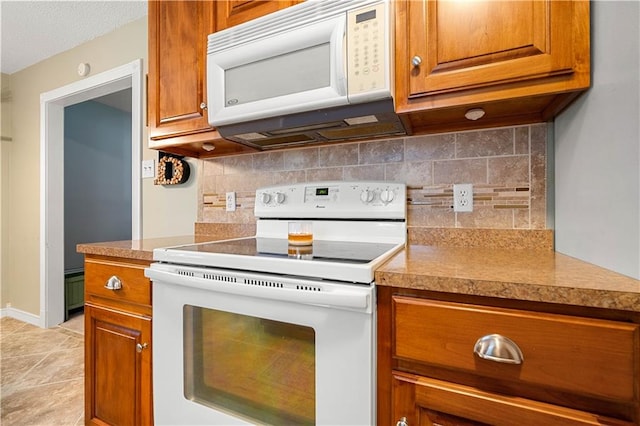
x=333, y=199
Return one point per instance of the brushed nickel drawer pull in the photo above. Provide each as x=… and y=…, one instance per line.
x=113, y=283
x=402, y=422
x=498, y=348
x=140, y=347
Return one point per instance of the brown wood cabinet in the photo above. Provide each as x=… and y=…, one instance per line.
x=234, y=12
x=574, y=370
x=177, y=83
x=518, y=61
x=118, y=381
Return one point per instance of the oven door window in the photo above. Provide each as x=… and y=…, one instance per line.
x=253, y=368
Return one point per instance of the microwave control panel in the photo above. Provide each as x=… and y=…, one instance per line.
x=367, y=47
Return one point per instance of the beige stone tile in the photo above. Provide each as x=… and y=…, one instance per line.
x=288, y=177
x=52, y=404
x=238, y=164
x=512, y=170
x=268, y=161
x=386, y=151
x=245, y=182
x=212, y=167
x=213, y=215
x=208, y=184
x=539, y=177
x=36, y=341
x=76, y=338
x=75, y=323
x=332, y=173
x=521, y=219
x=244, y=215
x=57, y=366
x=9, y=325
x=460, y=171
x=412, y=174
x=522, y=140
x=80, y=420
x=485, y=143
x=431, y=147
x=429, y=216
x=338, y=155
x=13, y=368
x=485, y=217
x=300, y=159
x=374, y=172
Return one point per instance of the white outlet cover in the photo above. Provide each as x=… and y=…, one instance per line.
x=231, y=201
x=148, y=169
x=463, y=197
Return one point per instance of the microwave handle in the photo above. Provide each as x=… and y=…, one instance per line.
x=338, y=45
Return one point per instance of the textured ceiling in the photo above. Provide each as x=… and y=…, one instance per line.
x=36, y=30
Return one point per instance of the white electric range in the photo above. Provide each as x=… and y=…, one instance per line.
x=256, y=330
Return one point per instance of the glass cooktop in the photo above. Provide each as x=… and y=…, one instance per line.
x=320, y=250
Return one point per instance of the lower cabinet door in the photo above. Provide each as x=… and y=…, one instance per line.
x=118, y=388
x=423, y=401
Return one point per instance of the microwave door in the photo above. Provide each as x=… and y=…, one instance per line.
x=295, y=71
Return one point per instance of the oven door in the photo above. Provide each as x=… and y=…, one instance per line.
x=240, y=348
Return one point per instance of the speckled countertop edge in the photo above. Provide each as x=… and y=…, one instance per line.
x=518, y=274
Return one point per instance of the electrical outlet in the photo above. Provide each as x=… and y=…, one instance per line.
x=463, y=197
x=148, y=169
x=231, y=201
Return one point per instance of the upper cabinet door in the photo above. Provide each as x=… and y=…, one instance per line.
x=234, y=12
x=177, y=66
x=448, y=47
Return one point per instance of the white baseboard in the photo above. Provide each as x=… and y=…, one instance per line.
x=20, y=315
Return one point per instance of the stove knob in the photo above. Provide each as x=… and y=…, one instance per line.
x=280, y=197
x=265, y=198
x=387, y=196
x=366, y=196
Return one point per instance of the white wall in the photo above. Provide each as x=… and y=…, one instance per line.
x=165, y=211
x=597, y=149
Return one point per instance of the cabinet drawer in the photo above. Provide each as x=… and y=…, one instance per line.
x=136, y=288
x=425, y=401
x=582, y=355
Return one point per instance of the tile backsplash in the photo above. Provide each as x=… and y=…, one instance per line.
x=507, y=167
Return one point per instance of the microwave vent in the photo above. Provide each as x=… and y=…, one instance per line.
x=363, y=131
x=359, y=121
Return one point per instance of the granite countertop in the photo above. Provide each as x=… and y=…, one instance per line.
x=520, y=274
x=135, y=249
x=143, y=249
x=497, y=264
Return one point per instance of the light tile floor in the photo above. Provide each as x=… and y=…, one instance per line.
x=41, y=374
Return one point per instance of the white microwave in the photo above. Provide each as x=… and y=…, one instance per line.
x=317, y=71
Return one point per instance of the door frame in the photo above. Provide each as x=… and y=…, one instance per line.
x=52, y=106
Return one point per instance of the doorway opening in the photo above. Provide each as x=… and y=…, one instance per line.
x=52, y=234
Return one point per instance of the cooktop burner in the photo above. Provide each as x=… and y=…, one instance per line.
x=321, y=251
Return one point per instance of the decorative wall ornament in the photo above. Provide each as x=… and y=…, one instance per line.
x=172, y=169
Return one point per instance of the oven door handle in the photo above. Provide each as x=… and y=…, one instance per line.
x=341, y=298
